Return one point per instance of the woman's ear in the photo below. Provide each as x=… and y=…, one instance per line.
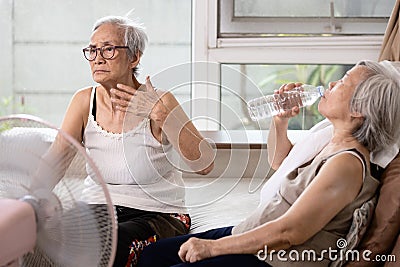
x=357, y=116
x=135, y=60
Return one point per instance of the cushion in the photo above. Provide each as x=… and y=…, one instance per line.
x=361, y=220
x=383, y=232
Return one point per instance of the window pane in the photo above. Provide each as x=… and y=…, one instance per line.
x=259, y=80
x=313, y=8
x=264, y=18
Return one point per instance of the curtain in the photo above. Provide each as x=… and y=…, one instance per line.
x=391, y=42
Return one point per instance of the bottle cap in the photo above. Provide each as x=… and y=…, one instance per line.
x=321, y=90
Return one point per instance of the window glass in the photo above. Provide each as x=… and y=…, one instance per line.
x=313, y=8
x=264, y=18
x=259, y=80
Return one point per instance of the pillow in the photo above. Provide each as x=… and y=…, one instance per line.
x=382, y=234
x=361, y=220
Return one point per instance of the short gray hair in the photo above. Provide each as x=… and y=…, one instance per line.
x=377, y=98
x=135, y=36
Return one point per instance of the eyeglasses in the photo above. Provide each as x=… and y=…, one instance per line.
x=107, y=51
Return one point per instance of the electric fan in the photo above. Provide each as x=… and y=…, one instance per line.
x=46, y=216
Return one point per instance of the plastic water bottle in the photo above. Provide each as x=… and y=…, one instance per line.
x=271, y=105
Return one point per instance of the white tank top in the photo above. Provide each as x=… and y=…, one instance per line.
x=135, y=166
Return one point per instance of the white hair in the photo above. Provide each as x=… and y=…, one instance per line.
x=135, y=36
x=377, y=98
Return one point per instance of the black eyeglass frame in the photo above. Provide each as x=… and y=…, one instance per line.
x=101, y=49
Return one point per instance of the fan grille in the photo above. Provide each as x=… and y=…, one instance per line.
x=71, y=230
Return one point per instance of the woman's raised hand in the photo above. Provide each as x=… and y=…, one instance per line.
x=142, y=102
x=295, y=110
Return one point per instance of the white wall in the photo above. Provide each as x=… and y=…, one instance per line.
x=42, y=43
x=6, y=49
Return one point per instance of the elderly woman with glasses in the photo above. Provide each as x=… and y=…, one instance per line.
x=130, y=131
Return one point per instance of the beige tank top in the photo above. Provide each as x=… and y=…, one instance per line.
x=294, y=184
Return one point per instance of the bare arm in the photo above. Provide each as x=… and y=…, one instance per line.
x=336, y=185
x=278, y=143
x=194, y=149
x=76, y=115
x=57, y=159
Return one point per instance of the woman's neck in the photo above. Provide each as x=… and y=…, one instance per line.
x=341, y=136
x=343, y=131
x=341, y=140
x=103, y=93
x=132, y=82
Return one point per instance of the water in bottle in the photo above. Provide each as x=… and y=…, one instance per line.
x=271, y=105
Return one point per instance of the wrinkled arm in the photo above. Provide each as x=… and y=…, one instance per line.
x=57, y=159
x=278, y=143
x=186, y=139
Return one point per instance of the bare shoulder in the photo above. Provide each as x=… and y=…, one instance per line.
x=81, y=100
x=345, y=167
x=348, y=160
x=82, y=94
x=341, y=175
x=77, y=112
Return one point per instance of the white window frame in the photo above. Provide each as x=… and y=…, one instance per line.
x=206, y=46
x=231, y=25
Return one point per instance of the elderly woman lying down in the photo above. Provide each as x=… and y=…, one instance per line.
x=314, y=206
